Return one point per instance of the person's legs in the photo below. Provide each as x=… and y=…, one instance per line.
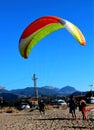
x=84, y=112
x=73, y=114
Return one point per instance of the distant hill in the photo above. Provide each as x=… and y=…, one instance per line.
x=3, y=90
x=29, y=91
x=67, y=90
x=45, y=90
x=9, y=97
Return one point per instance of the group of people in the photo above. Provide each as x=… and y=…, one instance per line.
x=73, y=106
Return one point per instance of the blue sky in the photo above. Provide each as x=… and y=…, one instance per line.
x=58, y=60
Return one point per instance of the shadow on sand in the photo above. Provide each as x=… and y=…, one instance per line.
x=90, y=119
x=76, y=126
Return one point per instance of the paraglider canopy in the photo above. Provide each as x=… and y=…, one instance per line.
x=43, y=26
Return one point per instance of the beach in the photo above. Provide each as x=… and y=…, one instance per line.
x=54, y=119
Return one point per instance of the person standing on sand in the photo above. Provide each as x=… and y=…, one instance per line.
x=42, y=107
x=82, y=108
x=72, y=107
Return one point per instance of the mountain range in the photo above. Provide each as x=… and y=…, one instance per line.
x=16, y=94
x=45, y=90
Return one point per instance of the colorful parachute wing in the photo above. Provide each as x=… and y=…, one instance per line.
x=43, y=27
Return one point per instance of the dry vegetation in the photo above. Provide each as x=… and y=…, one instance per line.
x=9, y=110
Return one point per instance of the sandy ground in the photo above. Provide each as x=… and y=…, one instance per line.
x=54, y=119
